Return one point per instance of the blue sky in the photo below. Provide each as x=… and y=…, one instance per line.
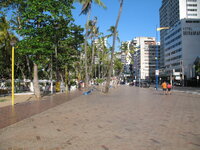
x=139, y=17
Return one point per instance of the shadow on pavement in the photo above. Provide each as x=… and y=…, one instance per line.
x=10, y=115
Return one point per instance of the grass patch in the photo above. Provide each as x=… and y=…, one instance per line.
x=2, y=100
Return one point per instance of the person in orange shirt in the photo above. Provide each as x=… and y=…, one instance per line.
x=164, y=87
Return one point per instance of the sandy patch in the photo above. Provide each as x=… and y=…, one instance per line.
x=7, y=100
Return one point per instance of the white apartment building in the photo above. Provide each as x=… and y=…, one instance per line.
x=144, y=58
x=182, y=46
x=171, y=12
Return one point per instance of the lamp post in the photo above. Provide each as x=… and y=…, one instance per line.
x=183, y=73
x=157, y=61
x=51, y=74
x=157, y=68
x=12, y=43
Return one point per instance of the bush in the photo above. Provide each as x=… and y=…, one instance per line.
x=99, y=81
x=72, y=83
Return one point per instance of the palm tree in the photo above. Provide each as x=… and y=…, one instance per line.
x=104, y=59
x=86, y=9
x=103, y=52
x=113, y=47
x=93, y=33
x=103, y=55
x=112, y=30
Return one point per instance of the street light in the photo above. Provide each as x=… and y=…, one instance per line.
x=157, y=67
x=51, y=74
x=12, y=43
x=183, y=73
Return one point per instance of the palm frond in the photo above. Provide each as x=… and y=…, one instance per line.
x=100, y=3
x=86, y=7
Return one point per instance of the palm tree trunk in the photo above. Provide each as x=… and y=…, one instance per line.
x=99, y=66
x=36, y=82
x=113, y=49
x=92, y=62
x=85, y=50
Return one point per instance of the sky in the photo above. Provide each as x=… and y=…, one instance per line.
x=139, y=17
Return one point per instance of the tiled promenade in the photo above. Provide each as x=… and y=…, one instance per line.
x=10, y=115
x=128, y=118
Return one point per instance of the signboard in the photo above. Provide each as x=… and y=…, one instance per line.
x=176, y=73
x=191, y=30
x=178, y=78
x=157, y=72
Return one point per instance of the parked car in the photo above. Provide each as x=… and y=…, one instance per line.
x=176, y=83
x=122, y=82
x=144, y=84
x=137, y=83
x=131, y=84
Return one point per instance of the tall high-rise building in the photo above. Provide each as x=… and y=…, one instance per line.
x=182, y=47
x=171, y=12
x=180, y=44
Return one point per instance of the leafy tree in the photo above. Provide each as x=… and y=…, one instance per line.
x=5, y=48
x=69, y=53
x=43, y=25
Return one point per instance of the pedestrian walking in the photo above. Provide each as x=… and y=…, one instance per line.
x=169, y=88
x=164, y=87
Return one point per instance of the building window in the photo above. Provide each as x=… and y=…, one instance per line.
x=172, y=34
x=192, y=14
x=176, y=51
x=173, y=46
x=191, y=9
x=192, y=5
x=174, y=39
x=177, y=57
x=191, y=0
x=192, y=21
